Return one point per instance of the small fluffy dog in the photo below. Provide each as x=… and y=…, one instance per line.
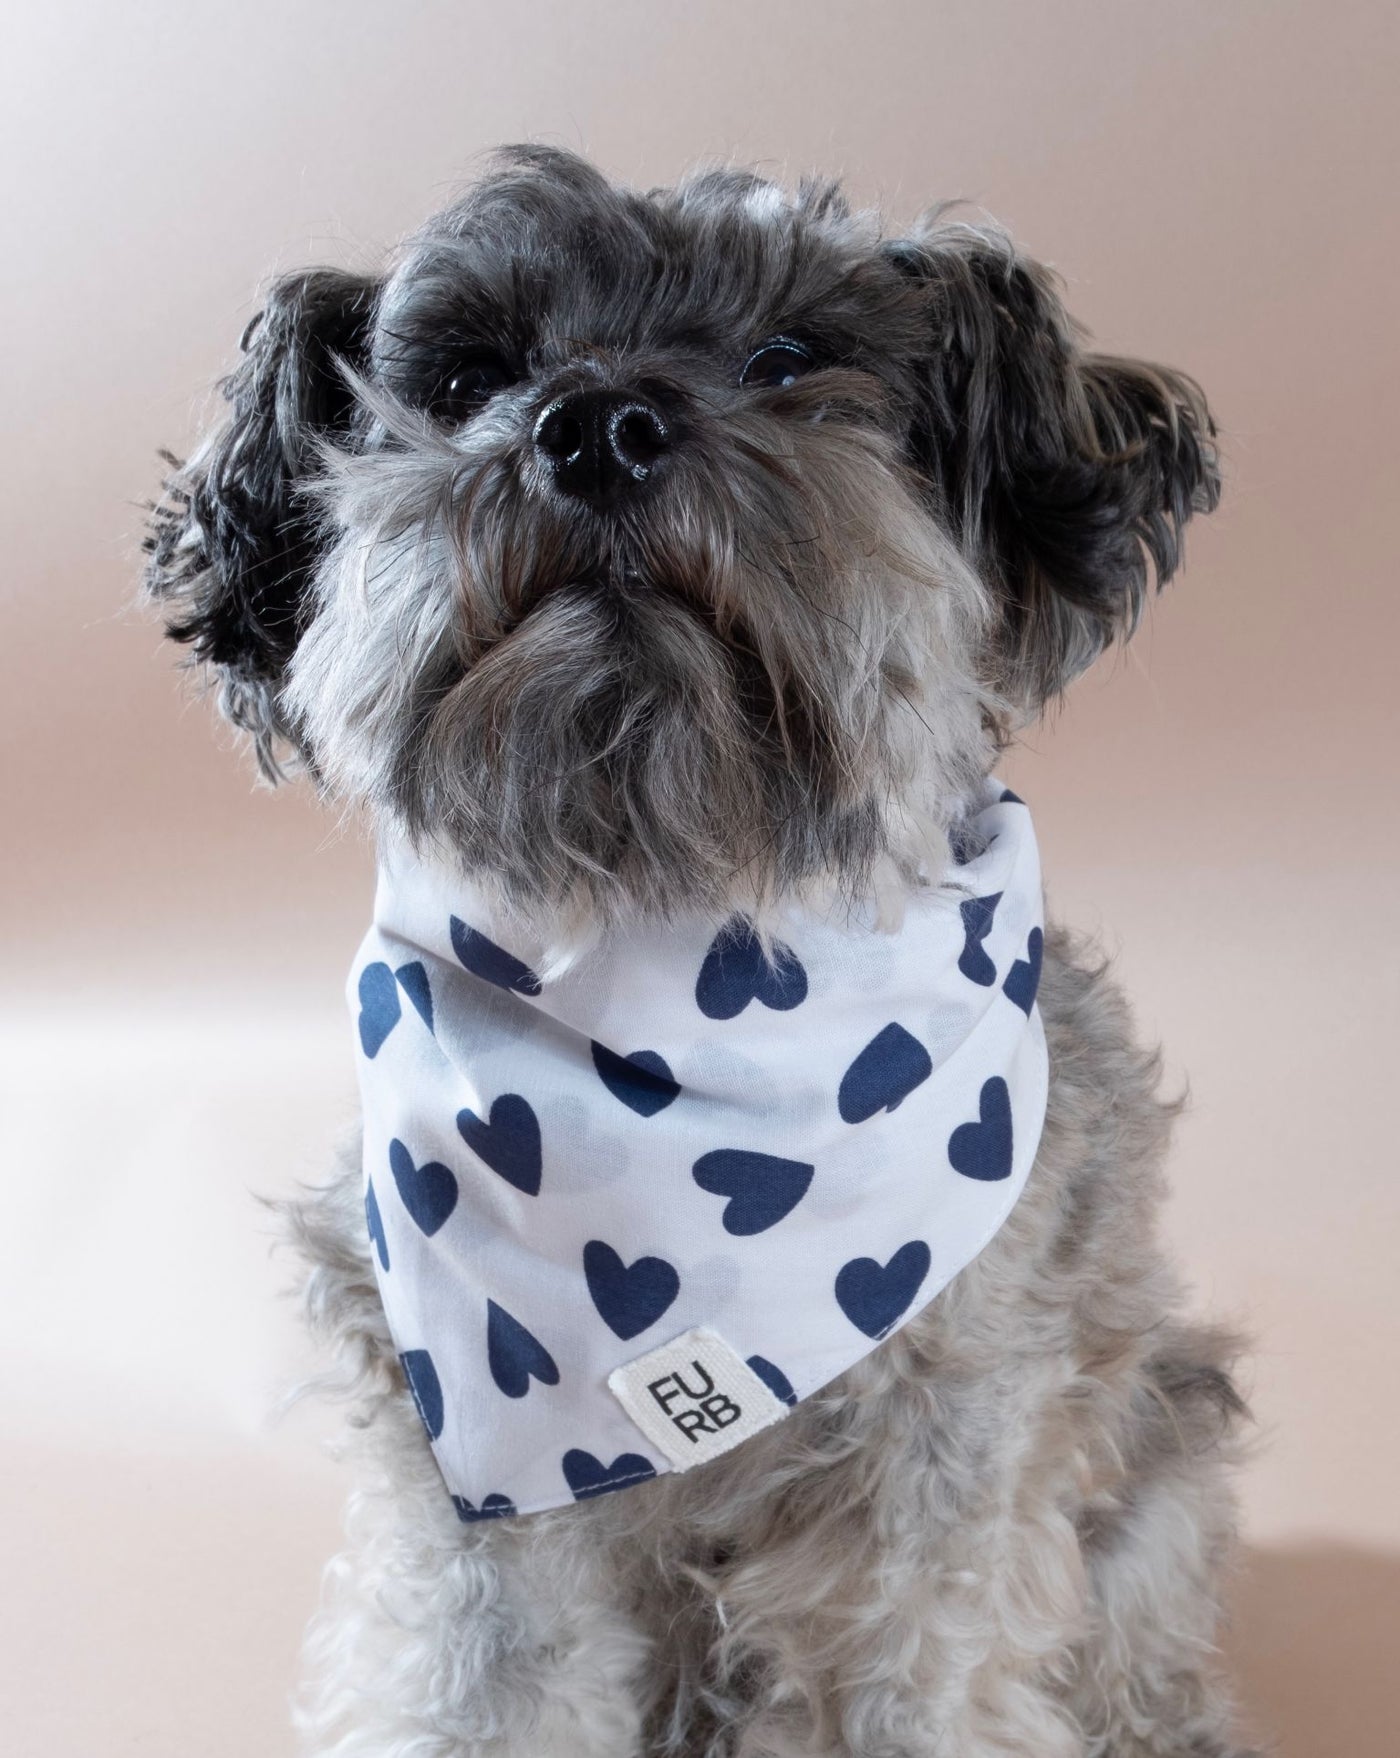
x=690, y=556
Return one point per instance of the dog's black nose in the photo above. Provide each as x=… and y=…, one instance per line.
x=601, y=443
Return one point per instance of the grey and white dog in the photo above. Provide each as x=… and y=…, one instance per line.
x=692, y=549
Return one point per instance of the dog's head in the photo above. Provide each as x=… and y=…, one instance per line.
x=663, y=550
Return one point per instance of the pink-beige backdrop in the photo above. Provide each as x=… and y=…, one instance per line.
x=1215, y=178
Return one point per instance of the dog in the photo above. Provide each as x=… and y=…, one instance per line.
x=642, y=560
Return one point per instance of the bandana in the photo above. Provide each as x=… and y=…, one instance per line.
x=625, y=1218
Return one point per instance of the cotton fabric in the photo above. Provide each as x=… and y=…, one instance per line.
x=791, y=1148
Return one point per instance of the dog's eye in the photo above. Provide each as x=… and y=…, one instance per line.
x=469, y=387
x=776, y=363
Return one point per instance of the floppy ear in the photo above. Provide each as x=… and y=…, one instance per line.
x=1065, y=474
x=233, y=541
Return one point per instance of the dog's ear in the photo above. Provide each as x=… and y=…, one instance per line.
x=1065, y=474
x=234, y=540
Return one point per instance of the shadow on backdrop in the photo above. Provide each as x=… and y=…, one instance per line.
x=1316, y=1649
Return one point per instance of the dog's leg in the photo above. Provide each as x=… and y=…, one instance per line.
x=1147, y=1679
x=438, y=1640
x=904, y=1593
x=496, y=1640
x=929, y=1592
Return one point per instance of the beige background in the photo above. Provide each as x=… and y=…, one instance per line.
x=1216, y=180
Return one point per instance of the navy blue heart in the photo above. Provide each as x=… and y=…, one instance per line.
x=492, y=963
x=426, y=1387
x=1023, y=979
x=429, y=1191
x=379, y=1007
x=736, y=970
x=887, y=1070
x=977, y=914
x=774, y=1378
x=588, y=1477
x=761, y=1188
x=629, y=1297
x=1010, y=799
x=873, y=1295
x=374, y=1223
x=508, y=1141
x=514, y=1355
x=982, y=1150
x=493, y=1508
x=642, y=1080
x=413, y=980
x=965, y=843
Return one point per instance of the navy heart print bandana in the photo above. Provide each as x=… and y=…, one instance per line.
x=626, y=1218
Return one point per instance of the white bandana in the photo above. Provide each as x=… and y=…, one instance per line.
x=624, y=1219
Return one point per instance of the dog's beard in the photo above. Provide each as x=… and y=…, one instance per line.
x=678, y=712
x=601, y=745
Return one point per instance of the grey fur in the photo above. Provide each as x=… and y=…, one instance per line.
x=777, y=667
x=774, y=668
x=1002, y=1533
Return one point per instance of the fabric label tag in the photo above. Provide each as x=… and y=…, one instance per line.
x=694, y=1398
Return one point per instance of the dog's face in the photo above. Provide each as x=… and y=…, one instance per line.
x=669, y=550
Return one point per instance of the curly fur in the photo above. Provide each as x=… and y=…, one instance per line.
x=777, y=670
x=1001, y=1533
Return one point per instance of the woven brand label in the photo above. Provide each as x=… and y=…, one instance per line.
x=694, y=1398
